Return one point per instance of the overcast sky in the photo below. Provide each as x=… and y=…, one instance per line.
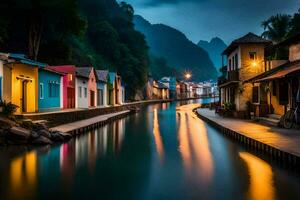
x=204, y=19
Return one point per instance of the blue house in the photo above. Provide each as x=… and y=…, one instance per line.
x=102, y=79
x=49, y=87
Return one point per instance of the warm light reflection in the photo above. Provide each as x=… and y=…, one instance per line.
x=92, y=149
x=157, y=136
x=194, y=144
x=23, y=175
x=261, y=178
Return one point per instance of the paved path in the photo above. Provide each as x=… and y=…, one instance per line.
x=282, y=139
x=66, y=128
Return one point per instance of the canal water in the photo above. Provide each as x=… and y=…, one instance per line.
x=163, y=152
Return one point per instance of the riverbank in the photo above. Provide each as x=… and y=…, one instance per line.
x=278, y=143
x=57, y=118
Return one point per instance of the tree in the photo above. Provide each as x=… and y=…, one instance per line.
x=295, y=24
x=277, y=27
x=37, y=21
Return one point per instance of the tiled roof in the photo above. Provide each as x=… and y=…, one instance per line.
x=249, y=38
x=83, y=71
x=161, y=85
x=23, y=59
x=102, y=75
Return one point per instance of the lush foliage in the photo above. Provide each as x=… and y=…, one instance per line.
x=160, y=68
x=81, y=32
x=280, y=26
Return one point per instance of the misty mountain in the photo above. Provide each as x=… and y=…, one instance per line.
x=214, y=49
x=180, y=53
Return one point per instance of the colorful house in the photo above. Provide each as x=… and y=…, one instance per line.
x=86, y=81
x=170, y=82
x=20, y=76
x=245, y=59
x=275, y=90
x=50, y=87
x=160, y=90
x=114, y=89
x=68, y=84
x=102, y=78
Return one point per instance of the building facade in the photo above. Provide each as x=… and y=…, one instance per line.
x=50, y=85
x=245, y=59
x=114, y=89
x=102, y=78
x=68, y=84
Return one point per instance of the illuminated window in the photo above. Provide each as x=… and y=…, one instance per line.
x=41, y=91
x=252, y=55
x=70, y=77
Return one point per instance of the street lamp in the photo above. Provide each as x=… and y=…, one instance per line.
x=187, y=75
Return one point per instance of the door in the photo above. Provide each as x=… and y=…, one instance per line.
x=92, y=98
x=100, y=97
x=23, y=96
x=71, y=98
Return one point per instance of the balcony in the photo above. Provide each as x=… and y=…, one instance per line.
x=233, y=75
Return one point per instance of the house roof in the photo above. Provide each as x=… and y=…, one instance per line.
x=249, y=38
x=22, y=58
x=160, y=85
x=291, y=40
x=83, y=72
x=278, y=72
x=53, y=71
x=102, y=75
x=112, y=76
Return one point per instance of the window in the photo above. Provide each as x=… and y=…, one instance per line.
x=80, y=91
x=255, y=94
x=252, y=55
x=236, y=61
x=70, y=77
x=85, y=92
x=233, y=62
x=41, y=91
x=229, y=63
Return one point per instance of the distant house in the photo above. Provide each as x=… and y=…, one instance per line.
x=245, y=59
x=68, y=84
x=160, y=90
x=148, y=93
x=102, y=79
x=170, y=82
x=83, y=74
x=50, y=89
x=275, y=90
x=20, y=76
x=114, y=89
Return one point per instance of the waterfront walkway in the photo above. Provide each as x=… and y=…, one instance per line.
x=282, y=139
x=70, y=127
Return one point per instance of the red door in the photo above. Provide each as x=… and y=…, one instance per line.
x=71, y=98
x=92, y=99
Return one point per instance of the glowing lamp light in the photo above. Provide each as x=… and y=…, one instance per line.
x=188, y=75
x=254, y=63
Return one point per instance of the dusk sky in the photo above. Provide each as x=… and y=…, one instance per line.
x=204, y=19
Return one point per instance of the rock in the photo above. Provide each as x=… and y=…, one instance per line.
x=44, y=133
x=34, y=134
x=41, y=140
x=66, y=136
x=56, y=137
x=18, y=133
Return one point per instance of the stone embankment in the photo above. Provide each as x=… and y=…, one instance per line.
x=13, y=132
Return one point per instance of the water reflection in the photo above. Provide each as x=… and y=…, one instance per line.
x=194, y=144
x=23, y=175
x=261, y=177
x=157, y=136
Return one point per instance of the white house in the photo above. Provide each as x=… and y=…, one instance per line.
x=81, y=92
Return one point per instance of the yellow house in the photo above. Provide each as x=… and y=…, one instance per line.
x=20, y=76
x=245, y=59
